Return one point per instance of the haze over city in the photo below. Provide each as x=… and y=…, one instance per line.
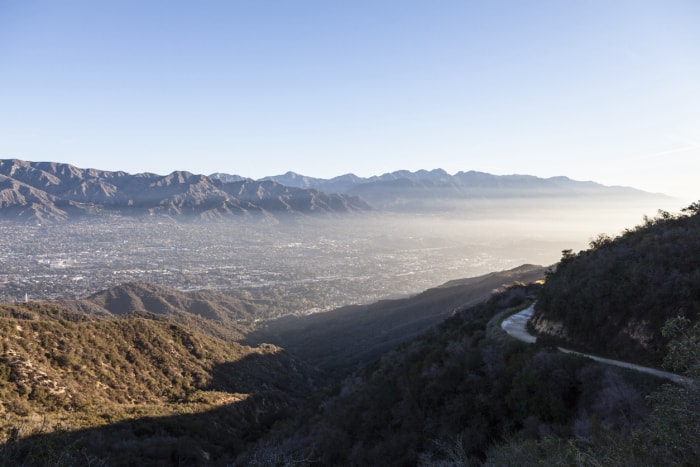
x=603, y=91
x=190, y=273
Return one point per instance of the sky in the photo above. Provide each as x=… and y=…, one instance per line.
x=605, y=90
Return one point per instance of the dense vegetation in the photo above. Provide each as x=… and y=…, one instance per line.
x=637, y=295
x=75, y=387
x=457, y=392
x=668, y=436
x=615, y=297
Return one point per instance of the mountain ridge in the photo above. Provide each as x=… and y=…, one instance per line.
x=437, y=190
x=460, y=178
x=49, y=191
x=207, y=311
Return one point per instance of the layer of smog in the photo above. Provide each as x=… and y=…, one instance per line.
x=304, y=264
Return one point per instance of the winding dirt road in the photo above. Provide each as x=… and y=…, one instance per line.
x=514, y=325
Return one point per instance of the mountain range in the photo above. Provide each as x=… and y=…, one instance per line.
x=431, y=189
x=50, y=191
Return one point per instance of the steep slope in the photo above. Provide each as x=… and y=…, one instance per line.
x=53, y=191
x=615, y=297
x=22, y=201
x=350, y=336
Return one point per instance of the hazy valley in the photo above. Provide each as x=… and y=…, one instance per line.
x=169, y=230
x=350, y=334
x=310, y=234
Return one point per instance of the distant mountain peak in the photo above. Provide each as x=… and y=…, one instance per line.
x=436, y=189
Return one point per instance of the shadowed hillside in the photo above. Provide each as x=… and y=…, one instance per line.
x=454, y=394
x=355, y=335
x=465, y=394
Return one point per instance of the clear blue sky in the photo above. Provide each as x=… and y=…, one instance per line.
x=595, y=90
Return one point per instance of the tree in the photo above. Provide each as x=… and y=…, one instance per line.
x=684, y=347
x=694, y=208
x=567, y=256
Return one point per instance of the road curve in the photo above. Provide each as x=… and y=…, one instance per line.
x=514, y=325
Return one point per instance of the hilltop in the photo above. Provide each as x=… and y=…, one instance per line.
x=210, y=311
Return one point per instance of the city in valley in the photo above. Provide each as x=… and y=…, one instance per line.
x=298, y=265
x=310, y=270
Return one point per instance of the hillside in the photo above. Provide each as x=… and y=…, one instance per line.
x=141, y=362
x=208, y=311
x=465, y=394
x=49, y=191
x=614, y=298
x=355, y=335
x=72, y=373
x=454, y=394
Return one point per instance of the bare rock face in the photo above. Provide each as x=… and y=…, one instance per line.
x=548, y=327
